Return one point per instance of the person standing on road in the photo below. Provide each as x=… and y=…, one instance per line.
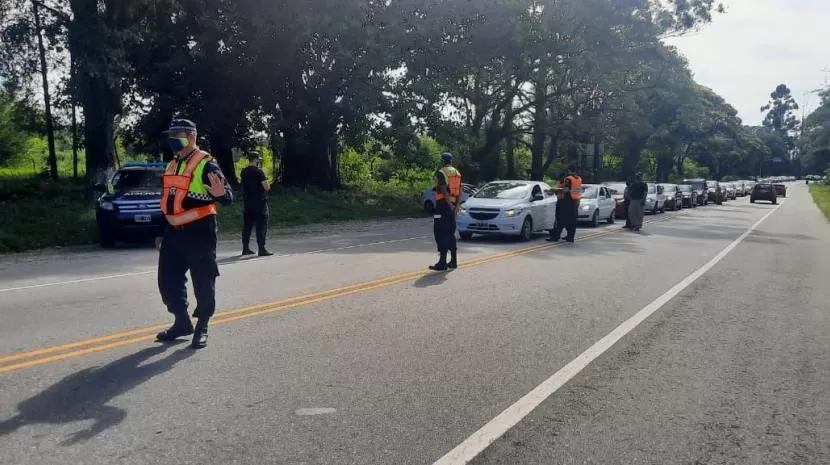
x=447, y=196
x=637, y=202
x=568, y=194
x=626, y=202
x=192, y=185
x=255, y=188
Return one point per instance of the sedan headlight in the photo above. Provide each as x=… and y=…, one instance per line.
x=462, y=210
x=513, y=213
x=586, y=207
x=106, y=205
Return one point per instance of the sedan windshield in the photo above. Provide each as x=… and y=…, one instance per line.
x=503, y=190
x=684, y=188
x=590, y=192
x=616, y=189
x=125, y=180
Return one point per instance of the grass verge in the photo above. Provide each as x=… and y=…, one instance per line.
x=37, y=213
x=821, y=195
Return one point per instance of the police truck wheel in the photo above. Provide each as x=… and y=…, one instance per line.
x=527, y=230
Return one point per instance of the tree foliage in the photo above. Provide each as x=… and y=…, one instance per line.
x=515, y=88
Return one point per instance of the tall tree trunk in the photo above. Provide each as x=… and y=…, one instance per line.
x=47, y=100
x=540, y=123
x=511, y=155
x=221, y=150
x=553, y=152
x=631, y=156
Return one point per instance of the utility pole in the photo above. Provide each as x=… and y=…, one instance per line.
x=50, y=128
x=74, y=103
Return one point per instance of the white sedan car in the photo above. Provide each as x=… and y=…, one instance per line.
x=428, y=197
x=513, y=208
x=597, y=204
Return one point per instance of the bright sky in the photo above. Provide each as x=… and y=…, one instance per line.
x=759, y=44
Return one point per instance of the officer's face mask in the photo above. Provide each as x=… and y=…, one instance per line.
x=177, y=144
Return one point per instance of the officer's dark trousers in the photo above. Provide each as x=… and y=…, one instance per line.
x=444, y=228
x=254, y=216
x=193, y=250
x=566, y=218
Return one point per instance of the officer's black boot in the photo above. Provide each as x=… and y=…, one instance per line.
x=247, y=251
x=264, y=253
x=181, y=327
x=200, y=334
x=442, y=263
x=453, y=263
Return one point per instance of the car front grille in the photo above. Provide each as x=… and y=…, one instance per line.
x=483, y=215
x=138, y=206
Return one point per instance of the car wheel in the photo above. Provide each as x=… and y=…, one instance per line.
x=465, y=236
x=595, y=219
x=751, y=200
x=527, y=229
x=429, y=207
x=613, y=217
x=775, y=202
x=106, y=239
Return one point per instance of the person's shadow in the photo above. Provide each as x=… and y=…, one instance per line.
x=431, y=279
x=84, y=395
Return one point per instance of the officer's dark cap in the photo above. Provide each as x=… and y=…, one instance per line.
x=254, y=155
x=181, y=125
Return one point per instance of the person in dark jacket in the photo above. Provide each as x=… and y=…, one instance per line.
x=255, y=187
x=637, y=202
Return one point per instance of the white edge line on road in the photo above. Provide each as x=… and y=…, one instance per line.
x=471, y=447
x=241, y=261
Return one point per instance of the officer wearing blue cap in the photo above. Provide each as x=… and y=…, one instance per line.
x=192, y=185
x=447, y=197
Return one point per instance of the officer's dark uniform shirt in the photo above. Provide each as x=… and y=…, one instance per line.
x=638, y=190
x=253, y=193
x=208, y=223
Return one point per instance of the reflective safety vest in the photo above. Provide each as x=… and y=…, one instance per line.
x=575, y=190
x=453, y=178
x=181, y=179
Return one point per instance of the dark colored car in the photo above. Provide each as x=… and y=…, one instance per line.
x=129, y=205
x=715, y=193
x=780, y=189
x=700, y=189
x=689, y=194
x=763, y=191
x=617, y=191
x=674, y=198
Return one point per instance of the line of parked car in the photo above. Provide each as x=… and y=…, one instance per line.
x=523, y=208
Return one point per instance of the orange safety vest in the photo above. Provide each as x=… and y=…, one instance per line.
x=576, y=187
x=453, y=177
x=181, y=182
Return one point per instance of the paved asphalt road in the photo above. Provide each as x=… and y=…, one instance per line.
x=704, y=339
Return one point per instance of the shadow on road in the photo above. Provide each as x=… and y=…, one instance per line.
x=434, y=279
x=84, y=395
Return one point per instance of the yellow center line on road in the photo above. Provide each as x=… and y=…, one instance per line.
x=88, y=346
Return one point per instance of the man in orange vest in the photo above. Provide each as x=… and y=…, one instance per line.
x=192, y=185
x=447, y=197
x=568, y=194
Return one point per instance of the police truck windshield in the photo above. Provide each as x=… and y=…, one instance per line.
x=129, y=179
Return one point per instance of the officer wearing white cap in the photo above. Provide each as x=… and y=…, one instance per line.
x=193, y=184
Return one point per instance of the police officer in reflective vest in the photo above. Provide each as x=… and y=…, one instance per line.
x=192, y=185
x=568, y=193
x=447, y=197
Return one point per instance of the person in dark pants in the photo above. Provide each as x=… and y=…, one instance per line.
x=636, y=205
x=627, y=202
x=447, y=196
x=255, y=187
x=192, y=185
x=568, y=193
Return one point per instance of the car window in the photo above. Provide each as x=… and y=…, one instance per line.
x=125, y=180
x=684, y=188
x=616, y=189
x=652, y=189
x=536, y=191
x=504, y=190
x=590, y=192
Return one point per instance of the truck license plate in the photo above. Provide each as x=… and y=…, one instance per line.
x=142, y=218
